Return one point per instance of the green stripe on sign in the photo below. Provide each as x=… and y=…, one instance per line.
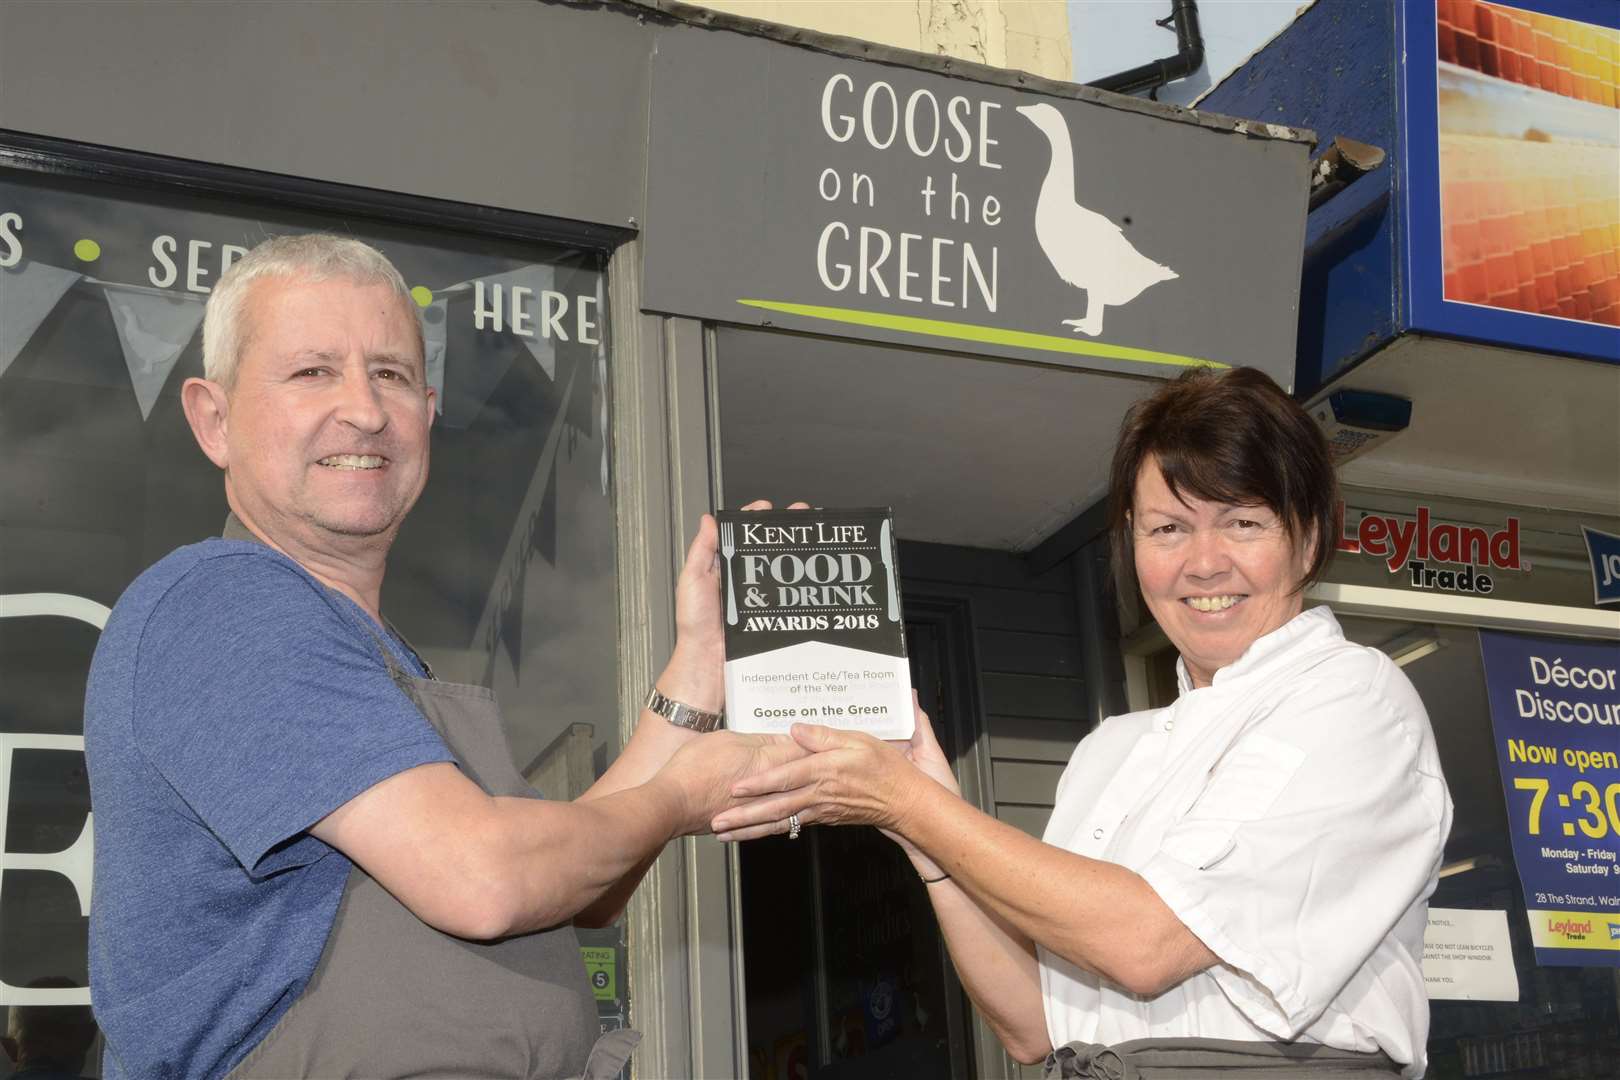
x=989, y=335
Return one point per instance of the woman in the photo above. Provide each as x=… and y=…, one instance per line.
x=1237, y=880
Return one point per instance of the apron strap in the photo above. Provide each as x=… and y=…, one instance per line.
x=610, y=1054
x=1185, y=1059
x=235, y=530
x=403, y=640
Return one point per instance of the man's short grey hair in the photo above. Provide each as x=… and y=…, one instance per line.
x=313, y=257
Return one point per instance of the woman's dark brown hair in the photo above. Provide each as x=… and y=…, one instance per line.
x=1230, y=437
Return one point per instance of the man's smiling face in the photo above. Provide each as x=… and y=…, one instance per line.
x=327, y=426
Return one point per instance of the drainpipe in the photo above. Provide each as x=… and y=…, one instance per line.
x=1188, y=59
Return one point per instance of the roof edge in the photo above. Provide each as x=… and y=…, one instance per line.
x=673, y=11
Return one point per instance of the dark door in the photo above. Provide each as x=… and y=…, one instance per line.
x=846, y=973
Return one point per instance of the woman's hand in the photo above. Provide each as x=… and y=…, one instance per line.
x=701, y=776
x=925, y=752
x=850, y=778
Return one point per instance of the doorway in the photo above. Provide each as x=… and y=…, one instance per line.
x=845, y=972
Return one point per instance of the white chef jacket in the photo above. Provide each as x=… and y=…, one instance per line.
x=1292, y=815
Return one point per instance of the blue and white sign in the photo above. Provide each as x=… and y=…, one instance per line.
x=1604, y=550
x=1555, y=710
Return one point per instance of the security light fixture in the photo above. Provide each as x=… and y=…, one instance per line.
x=1355, y=421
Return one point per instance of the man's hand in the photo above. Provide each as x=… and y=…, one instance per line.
x=696, y=671
x=699, y=778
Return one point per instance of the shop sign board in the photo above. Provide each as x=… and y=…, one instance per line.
x=1455, y=547
x=1510, y=143
x=791, y=187
x=1604, y=551
x=1432, y=553
x=1555, y=713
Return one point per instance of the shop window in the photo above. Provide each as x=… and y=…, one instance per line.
x=1502, y=1013
x=503, y=574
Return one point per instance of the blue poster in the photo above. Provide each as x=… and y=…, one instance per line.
x=1604, y=550
x=1555, y=709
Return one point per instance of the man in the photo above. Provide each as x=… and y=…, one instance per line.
x=312, y=858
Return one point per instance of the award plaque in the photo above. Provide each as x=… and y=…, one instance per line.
x=813, y=626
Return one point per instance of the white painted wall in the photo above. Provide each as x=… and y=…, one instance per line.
x=1109, y=36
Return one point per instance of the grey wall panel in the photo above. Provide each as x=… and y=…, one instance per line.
x=1030, y=654
x=465, y=101
x=1032, y=695
x=1026, y=739
x=1020, y=611
x=1027, y=782
x=979, y=566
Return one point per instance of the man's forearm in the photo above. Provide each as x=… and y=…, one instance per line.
x=654, y=743
x=693, y=680
x=581, y=860
x=480, y=867
x=483, y=867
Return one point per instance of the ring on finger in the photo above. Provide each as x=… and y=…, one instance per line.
x=793, y=826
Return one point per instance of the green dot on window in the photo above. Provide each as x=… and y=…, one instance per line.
x=87, y=250
x=422, y=295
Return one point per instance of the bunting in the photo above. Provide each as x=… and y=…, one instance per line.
x=28, y=293
x=154, y=328
x=534, y=280
x=435, y=322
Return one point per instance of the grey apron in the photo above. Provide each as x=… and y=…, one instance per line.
x=393, y=997
x=1196, y=1059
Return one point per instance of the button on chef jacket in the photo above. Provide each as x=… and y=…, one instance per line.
x=1293, y=816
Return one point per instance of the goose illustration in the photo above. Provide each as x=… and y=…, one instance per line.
x=1086, y=249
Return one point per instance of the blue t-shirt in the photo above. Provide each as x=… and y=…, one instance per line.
x=233, y=702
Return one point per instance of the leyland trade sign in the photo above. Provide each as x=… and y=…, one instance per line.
x=835, y=196
x=1435, y=554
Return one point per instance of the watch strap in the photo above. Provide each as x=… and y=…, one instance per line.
x=681, y=714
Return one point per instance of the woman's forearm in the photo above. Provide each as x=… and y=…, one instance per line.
x=998, y=970
x=996, y=964
x=1098, y=915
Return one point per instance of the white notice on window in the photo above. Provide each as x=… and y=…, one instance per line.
x=1467, y=956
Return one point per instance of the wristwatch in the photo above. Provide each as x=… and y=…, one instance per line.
x=681, y=714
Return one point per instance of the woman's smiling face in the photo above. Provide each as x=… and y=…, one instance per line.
x=1215, y=576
